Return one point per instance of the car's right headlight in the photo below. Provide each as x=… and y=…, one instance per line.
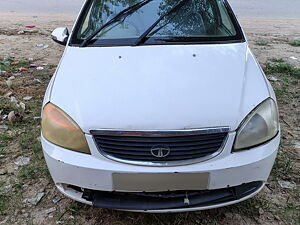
x=62, y=130
x=259, y=126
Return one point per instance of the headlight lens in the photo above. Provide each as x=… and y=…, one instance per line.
x=60, y=129
x=259, y=126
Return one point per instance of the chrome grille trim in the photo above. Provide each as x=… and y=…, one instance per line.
x=157, y=134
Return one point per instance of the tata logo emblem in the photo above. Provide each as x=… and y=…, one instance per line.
x=160, y=151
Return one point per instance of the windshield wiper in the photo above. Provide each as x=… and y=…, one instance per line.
x=121, y=15
x=143, y=37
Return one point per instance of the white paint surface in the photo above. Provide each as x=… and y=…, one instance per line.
x=159, y=87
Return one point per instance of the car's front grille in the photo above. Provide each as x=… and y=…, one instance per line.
x=160, y=147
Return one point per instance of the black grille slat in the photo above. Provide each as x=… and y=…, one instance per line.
x=150, y=144
x=134, y=148
x=138, y=148
x=173, y=153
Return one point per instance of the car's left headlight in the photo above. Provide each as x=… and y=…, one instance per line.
x=260, y=126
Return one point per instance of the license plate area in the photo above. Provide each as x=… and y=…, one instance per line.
x=154, y=182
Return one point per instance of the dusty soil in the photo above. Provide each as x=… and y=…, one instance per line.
x=276, y=204
x=16, y=40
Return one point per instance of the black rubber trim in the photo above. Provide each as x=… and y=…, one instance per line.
x=170, y=199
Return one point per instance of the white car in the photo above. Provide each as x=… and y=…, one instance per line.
x=158, y=106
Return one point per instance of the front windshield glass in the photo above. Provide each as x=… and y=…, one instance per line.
x=195, y=21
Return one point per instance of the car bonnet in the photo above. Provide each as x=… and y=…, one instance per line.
x=158, y=87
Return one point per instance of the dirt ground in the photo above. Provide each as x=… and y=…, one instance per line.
x=16, y=40
x=278, y=203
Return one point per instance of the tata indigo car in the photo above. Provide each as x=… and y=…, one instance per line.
x=158, y=106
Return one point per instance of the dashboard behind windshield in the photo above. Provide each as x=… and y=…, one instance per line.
x=197, y=21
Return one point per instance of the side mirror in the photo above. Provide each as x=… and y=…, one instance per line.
x=60, y=35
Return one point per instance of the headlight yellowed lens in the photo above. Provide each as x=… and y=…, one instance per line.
x=60, y=129
x=260, y=126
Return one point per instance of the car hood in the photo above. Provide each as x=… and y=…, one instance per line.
x=158, y=87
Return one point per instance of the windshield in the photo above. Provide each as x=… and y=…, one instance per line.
x=195, y=21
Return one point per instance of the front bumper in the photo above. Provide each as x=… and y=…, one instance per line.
x=95, y=172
